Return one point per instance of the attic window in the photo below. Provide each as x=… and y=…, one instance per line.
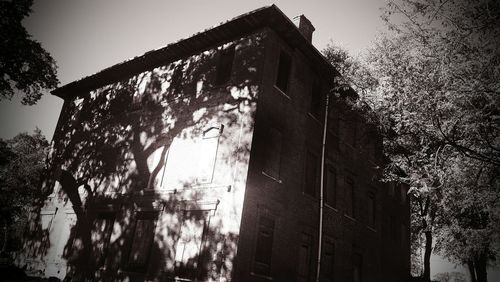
x=284, y=67
x=224, y=65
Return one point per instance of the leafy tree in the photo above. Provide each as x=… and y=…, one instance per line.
x=439, y=82
x=25, y=66
x=438, y=107
x=22, y=160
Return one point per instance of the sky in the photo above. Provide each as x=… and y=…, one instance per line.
x=85, y=37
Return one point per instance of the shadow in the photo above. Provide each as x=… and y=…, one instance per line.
x=147, y=175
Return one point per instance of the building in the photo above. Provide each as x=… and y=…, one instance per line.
x=202, y=161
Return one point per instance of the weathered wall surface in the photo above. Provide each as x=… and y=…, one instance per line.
x=148, y=174
x=352, y=237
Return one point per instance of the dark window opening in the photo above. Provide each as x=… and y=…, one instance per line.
x=142, y=241
x=350, y=198
x=305, y=254
x=331, y=187
x=225, y=65
x=316, y=101
x=272, y=156
x=311, y=174
x=327, y=261
x=372, y=209
x=264, y=246
x=285, y=63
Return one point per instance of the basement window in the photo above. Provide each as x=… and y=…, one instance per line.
x=284, y=66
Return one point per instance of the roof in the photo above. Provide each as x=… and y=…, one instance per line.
x=269, y=16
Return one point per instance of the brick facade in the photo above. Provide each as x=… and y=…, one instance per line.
x=212, y=146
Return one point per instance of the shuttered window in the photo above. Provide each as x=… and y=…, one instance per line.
x=264, y=246
x=142, y=241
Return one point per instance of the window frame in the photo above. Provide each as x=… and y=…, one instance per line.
x=283, y=71
x=262, y=266
x=152, y=215
x=225, y=62
x=317, y=168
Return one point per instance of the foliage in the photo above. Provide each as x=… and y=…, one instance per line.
x=22, y=160
x=450, y=277
x=439, y=77
x=437, y=100
x=25, y=66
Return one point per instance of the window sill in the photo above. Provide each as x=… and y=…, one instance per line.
x=331, y=208
x=273, y=178
x=350, y=217
x=314, y=118
x=261, y=276
x=281, y=92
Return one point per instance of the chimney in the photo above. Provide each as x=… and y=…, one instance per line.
x=305, y=27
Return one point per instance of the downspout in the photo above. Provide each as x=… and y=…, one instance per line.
x=321, y=189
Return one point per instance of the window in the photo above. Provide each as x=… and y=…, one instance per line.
x=371, y=209
x=327, y=261
x=191, y=158
x=285, y=63
x=331, y=187
x=305, y=254
x=357, y=263
x=142, y=241
x=273, y=154
x=224, y=65
x=311, y=174
x=190, y=244
x=208, y=153
x=316, y=100
x=102, y=229
x=264, y=246
x=350, y=198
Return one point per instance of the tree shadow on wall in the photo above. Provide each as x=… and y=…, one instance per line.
x=109, y=150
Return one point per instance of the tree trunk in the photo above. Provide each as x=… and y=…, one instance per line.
x=480, y=265
x=472, y=271
x=70, y=187
x=427, y=255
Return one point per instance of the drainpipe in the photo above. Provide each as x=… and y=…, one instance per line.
x=321, y=189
